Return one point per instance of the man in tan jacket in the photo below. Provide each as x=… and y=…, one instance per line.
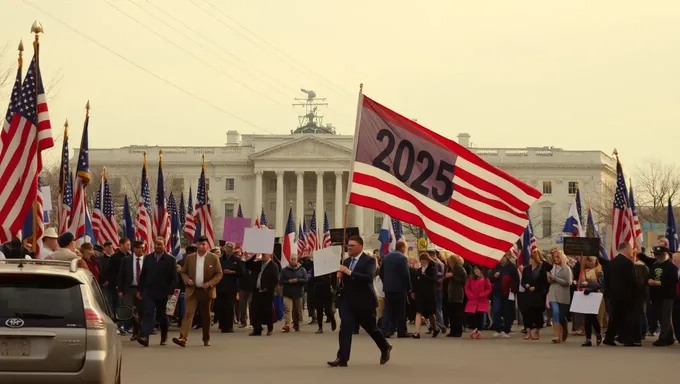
x=201, y=273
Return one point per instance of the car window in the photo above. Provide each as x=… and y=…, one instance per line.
x=41, y=300
x=99, y=297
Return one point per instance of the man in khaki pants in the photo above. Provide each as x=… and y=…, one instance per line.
x=201, y=273
x=293, y=279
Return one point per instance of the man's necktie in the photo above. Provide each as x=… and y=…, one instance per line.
x=139, y=269
x=352, y=264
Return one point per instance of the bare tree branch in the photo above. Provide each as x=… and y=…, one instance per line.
x=654, y=183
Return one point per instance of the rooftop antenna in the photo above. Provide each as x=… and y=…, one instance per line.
x=311, y=121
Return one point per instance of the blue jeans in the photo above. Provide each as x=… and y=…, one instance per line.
x=180, y=308
x=438, y=313
x=503, y=313
x=559, y=313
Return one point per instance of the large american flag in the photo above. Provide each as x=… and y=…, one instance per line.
x=465, y=204
x=312, y=235
x=26, y=132
x=65, y=196
x=104, y=222
x=622, y=216
x=326, y=242
x=79, y=214
x=190, y=220
x=143, y=219
x=181, y=210
x=203, y=209
x=161, y=220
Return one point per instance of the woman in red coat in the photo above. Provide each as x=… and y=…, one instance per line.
x=477, y=290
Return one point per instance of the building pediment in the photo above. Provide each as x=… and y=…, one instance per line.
x=304, y=147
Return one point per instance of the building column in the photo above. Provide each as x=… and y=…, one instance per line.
x=339, y=212
x=300, y=199
x=280, y=205
x=359, y=219
x=319, y=201
x=258, y=196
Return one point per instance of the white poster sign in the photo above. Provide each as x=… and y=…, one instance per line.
x=258, y=240
x=586, y=304
x=327, y=260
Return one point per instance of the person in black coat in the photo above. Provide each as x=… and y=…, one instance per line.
x=620, y=290
x=227, y=288
x=266, y=274
x=357, y=302
x=157, y=283
x=424, y=293
x=535, y=284
x=396, y=279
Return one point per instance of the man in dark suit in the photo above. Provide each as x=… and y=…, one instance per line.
x=157, y=283
x=358, y=302
x=266, y=274
x=396, y=279
x=620, y=290
x=227, y=288
x=127, y=282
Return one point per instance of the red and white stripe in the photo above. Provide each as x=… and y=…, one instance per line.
x=77, y=227
x=205, y=217
x=190, y=226
x=312, y=241
x=63, y=215
x=40, y=227
x=143, y=225
x=326, y=240
x=483, y=218
x=161, y=225
x=104, y=228
x=20, y=165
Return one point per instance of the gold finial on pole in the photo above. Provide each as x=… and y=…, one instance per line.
x=615, y=153
x=290, y=202
x=66, y=127
x=361, y=87
x=87, y=109
x=21, y=53
x=160, y=156
x=37, y=28
x=105, y=174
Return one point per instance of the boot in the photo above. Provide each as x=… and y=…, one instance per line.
x=557, y=333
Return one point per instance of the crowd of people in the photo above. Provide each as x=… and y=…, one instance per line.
x=446, y=294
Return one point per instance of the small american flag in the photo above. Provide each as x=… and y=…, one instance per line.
x=143, y=220
x=301, y=242
x=65, y=197
x=239, y=214
x=161, y=220
x=182, y=210
x=622, y=217
x=263, y=219
x=326, y=232
x=79, y=213
x=189, y=220
x=312, y=235
x=203, y=209
x=173, y=213
x=26, y=132
x=637, y=230
x=104, y=222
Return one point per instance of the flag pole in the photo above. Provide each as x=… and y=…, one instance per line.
x=36, y=28
x=344, y=233
x=356, y=141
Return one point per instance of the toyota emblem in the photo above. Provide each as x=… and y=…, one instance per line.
x=14, y=323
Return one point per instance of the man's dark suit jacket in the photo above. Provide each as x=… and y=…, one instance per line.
x=125, y=273
x=619, y=279
x=230, y=281
x=270, y=275
x=358, y=293
x=395, y=274
x=158, y=278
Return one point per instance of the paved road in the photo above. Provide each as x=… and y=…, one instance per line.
x=300, y=358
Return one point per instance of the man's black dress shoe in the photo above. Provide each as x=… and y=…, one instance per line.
x=385, y=355
x=337, y=363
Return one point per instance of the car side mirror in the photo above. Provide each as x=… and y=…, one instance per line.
x=124, y=313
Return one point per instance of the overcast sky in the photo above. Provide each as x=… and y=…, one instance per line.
x=577, y=74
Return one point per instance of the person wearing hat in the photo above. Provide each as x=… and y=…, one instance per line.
x=663, y=278
x=67, y=250
x=50, y=243
x=13, y=250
